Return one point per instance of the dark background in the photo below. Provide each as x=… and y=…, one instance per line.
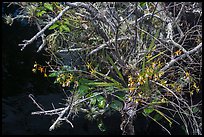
x=16, y=64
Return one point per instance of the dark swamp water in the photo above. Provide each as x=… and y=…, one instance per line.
x=18, y=82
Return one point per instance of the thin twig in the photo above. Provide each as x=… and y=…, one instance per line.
x=27, y=42
x=169, y=64
x=107, y=43
x=31, y=97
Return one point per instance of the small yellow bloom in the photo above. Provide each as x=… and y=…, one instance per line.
x=70, y=76
x=132, y=89
x=150, y=77
x=153, y=65
x=163, y=100
x=58, y=79
x=130, y=78
x=147, y=70
x=172, y=85
x=132, y=83
x=130, y=98
x=68, y=83
x=156, y=77
x=35, y=65
x=63, y=84
x=45, y=75
x=160, y=73
x=197, y=90
x=196, y=87
x=187, y=74
x=34, y=70
x=62, y=76
x=40, y=69
x=159, y=64
x=141, y=80
x=92, y=71
x=178, y=52
x=149, y=56
x=89, y=66
x=76, y=84
x=136, y=101
x=178, y=88
x=163, y=82
x=139, y=95
x=151, y=71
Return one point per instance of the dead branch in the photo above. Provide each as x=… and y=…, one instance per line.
x=168, y=65
x=27, y=42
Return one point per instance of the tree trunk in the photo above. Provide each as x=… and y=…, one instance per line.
x=128, y=115
x=127, y=125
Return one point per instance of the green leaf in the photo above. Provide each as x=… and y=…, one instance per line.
x=101, y=126
x=157, y=122
x=115, y=67
x=101, y=104
x=117, y=105
x=120, y=95
x=93, y=101
x=99, y=97
x=101, y=84
x=157, y=117
x=101, y=101
x=143, y=65
x=83, y=89
x=110, y=88
x=66, y=21
x=65, y=28
x=84, y=81
x=142, y=33
x=53, y=74
x=60, y=28
x=162, y=114
x=88, y=82
x=53, y=26
x=55, y=82
x=153, y=40
x=67, y=68
x=142, y=4
x=118, y=84
x=149, y=49
x=39, y=14
x=48, y=6
x=148, y=110
x=155, y=56
x=195, y=109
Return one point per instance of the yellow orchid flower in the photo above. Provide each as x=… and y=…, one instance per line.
x=178, y=52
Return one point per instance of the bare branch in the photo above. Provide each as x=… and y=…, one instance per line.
x=180, y=47
x=168, y=65
x=31, y=97
x=27, y=42
x=107, y=43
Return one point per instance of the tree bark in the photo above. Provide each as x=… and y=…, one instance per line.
x=128, y=114
x=127, y=125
